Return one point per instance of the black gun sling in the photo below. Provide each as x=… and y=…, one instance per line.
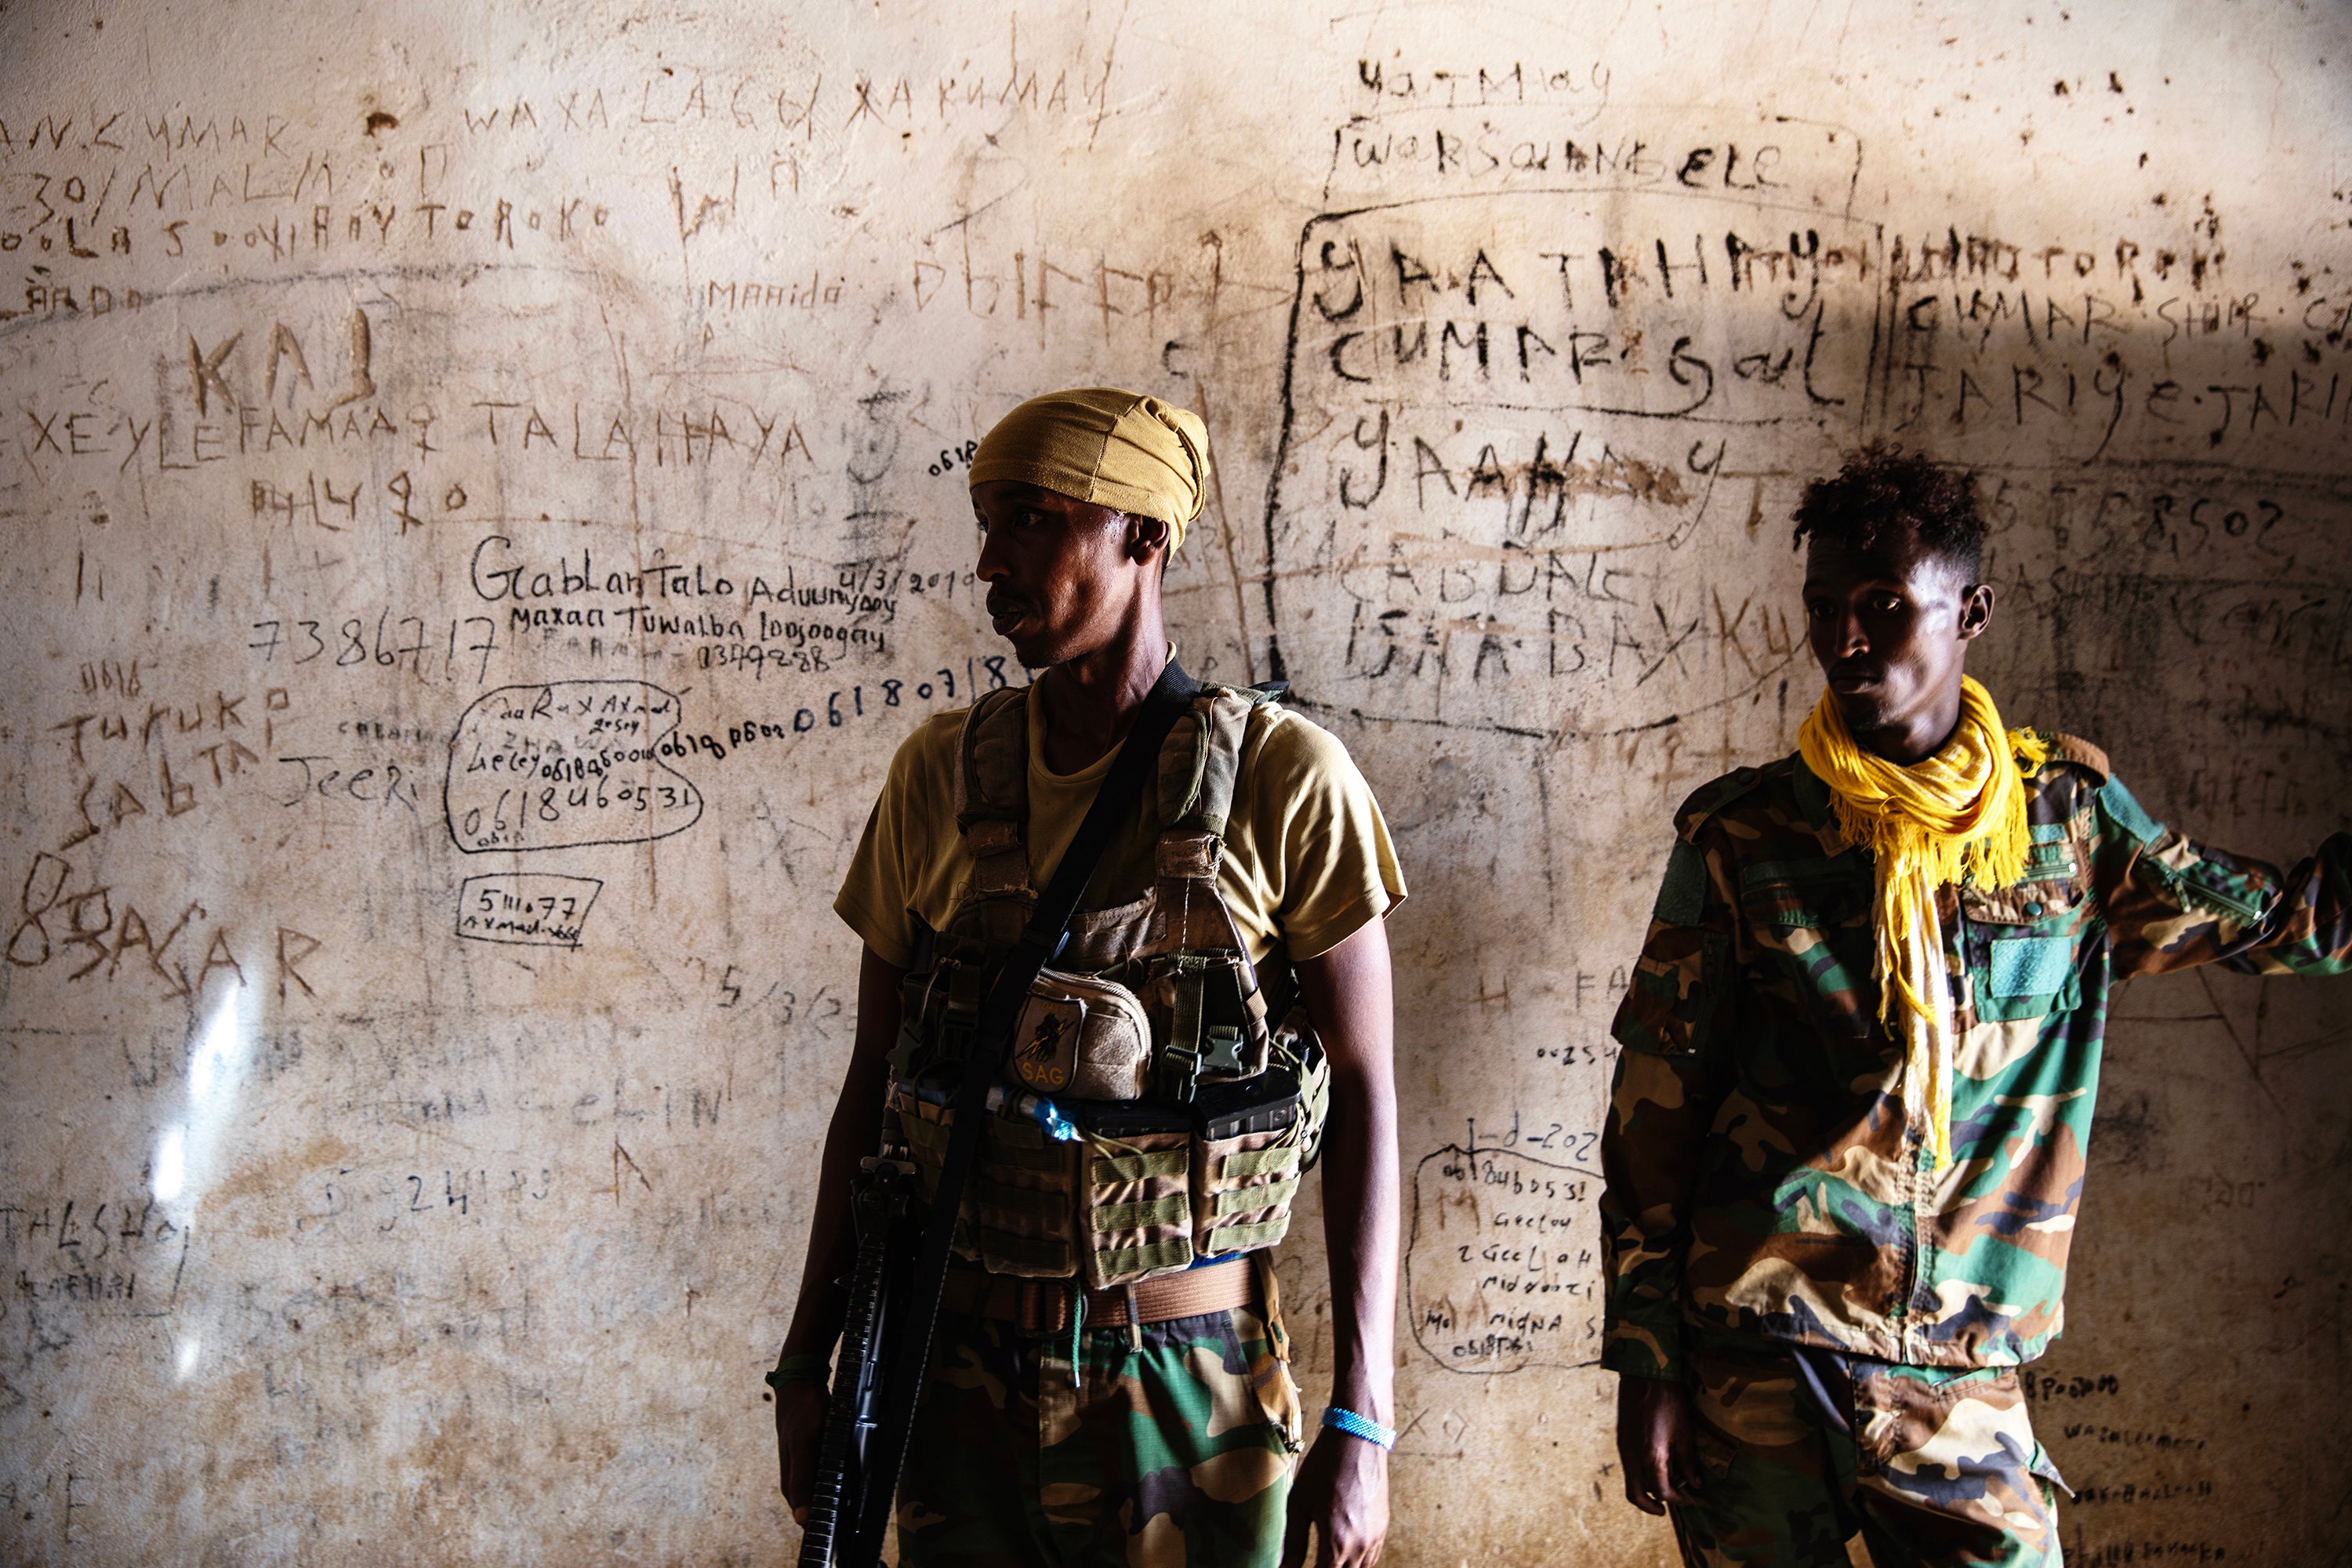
x=984, y=1065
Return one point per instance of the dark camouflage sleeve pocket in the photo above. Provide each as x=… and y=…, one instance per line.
x=1681, y=987
x=1673, y=992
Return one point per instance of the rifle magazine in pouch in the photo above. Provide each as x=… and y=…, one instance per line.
x=1246, y=1157
x=1139, y=1205
x=1210, y=1020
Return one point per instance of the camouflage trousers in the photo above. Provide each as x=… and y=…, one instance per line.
x=1173, y=1447
x=1936, y=1467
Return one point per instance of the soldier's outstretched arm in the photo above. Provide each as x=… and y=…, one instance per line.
x=2172, y=903
x=833, y=1243
x=1342, y=1487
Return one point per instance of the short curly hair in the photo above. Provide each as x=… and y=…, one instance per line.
x=1883, y=486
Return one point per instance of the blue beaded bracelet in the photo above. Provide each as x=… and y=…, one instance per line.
x=1364, y=1427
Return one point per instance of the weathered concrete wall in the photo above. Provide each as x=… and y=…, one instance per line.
x=403, y=1156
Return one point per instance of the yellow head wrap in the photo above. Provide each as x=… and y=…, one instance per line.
x=1097, y=444
x=1961, y=811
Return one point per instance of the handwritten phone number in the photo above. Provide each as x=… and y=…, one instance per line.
x=846, y=707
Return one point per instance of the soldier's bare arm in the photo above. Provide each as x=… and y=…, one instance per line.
x=1342, y=1490
x=833, y=1246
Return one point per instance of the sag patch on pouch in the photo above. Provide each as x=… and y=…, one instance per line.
x=1082, y=1036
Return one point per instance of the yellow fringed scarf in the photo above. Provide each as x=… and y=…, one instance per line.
x=1962, y=812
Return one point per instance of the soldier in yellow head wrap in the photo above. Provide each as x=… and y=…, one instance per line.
x=1121, y=450
x=1119, y=476
x=1062, y=1401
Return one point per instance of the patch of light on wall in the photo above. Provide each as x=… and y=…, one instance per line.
x=172, y=1165
x=185, y=1150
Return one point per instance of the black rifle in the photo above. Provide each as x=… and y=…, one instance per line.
x=894, y=1303
x=881, y=1207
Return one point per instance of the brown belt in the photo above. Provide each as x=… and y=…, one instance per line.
x=1042, y=1306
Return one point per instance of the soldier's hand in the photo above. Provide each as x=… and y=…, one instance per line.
x=1657, y=1443
x=1342, y=1492
x=799, y=1428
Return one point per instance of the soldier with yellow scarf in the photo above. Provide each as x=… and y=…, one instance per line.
x=1849, y=1127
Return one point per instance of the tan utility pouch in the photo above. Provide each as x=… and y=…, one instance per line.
x=1020, y=1208
x=1082, y=1038
x=1139, y=1205
x=1024, y=1195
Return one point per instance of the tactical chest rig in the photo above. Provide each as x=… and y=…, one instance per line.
x=1162, y=1095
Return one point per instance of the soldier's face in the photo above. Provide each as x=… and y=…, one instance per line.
x=1890, y=626
x=1063, y=575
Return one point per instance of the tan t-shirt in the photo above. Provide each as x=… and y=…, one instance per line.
x=1308, y=860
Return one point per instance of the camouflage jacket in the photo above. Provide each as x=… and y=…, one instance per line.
x=1760, y=1176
